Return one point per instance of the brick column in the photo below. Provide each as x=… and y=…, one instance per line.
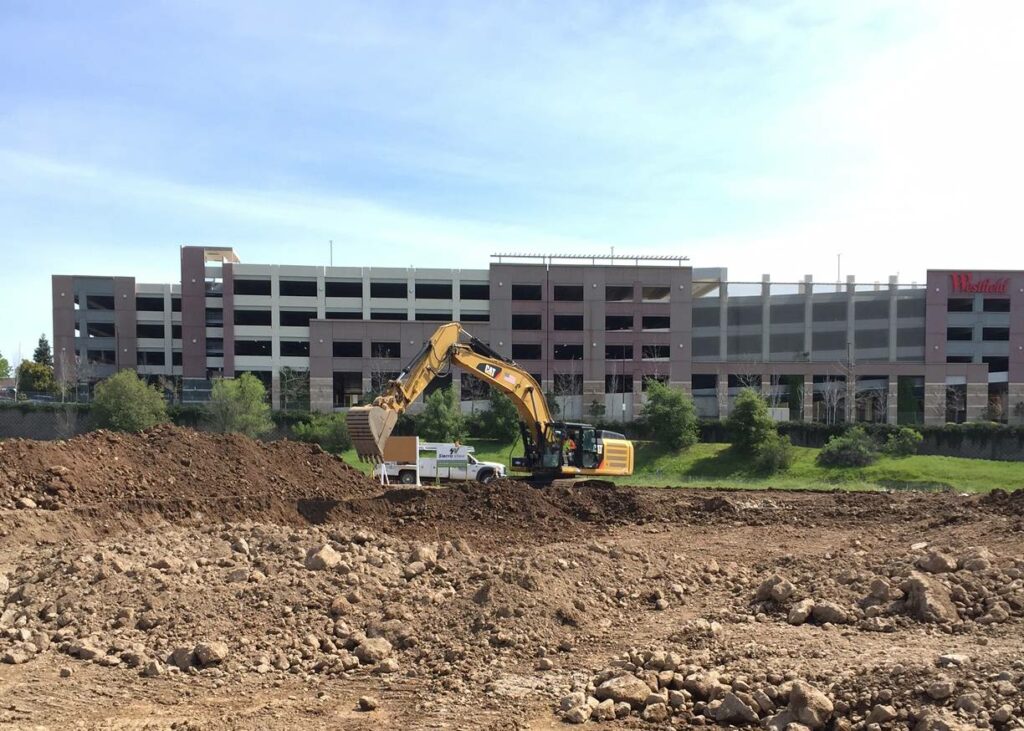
x=892, y=402
x=934, y=404
x=722, y=392
x=808, y=405
x=977, y=401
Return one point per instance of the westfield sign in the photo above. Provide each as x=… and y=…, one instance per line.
x=964, y=282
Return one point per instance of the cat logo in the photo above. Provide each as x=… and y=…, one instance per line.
x=489, y=370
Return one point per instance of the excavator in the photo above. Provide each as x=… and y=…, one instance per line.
x=552, y=450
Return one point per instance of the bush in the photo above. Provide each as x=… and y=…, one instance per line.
x=774, y=454
x=125, y=403
x=501, y=420
x=903, y=442
x=750, y=423
x=856, y=448
x=670, y=416
x=328, y=430
x=240, y=405
x=441, y=419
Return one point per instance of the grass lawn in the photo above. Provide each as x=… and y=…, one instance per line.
x=715, y=465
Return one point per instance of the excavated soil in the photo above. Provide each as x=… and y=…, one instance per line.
x=184, y=580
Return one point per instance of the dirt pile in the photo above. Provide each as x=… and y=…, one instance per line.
x=169, y=464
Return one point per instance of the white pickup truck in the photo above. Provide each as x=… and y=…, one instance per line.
x=442, y=461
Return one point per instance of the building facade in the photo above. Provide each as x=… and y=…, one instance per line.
x=594, y=331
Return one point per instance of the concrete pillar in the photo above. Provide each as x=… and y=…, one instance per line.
x=934, y=404
x=851, y=399
x=321, y=394
x=1015, y=396
x=766, y=319
x=893, y=291
x=808, y=405
x=722, y=392
x=723, y=322
x=808, y=311
x=977, y=401
x=892, y=402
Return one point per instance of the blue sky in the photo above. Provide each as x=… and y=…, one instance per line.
x=764, y=136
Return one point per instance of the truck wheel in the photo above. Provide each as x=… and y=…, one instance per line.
x=485, y=476
x=407, y=477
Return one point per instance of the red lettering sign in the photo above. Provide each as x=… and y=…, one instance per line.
x=963, y=282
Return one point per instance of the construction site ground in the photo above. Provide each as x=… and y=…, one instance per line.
x=184, y=580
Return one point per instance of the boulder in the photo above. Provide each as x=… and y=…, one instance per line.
x=809, y=705
x=323, y=558
x=976, y=559
x=927, y=600
x=776, y=588
x=373, y=650
x=210, y=653
x=829, y=612
x=940, y=720
x=882, y=714
x=936, y=562
x=624, y=689
x=734, y=711
x=655, y=713
x=800, y=612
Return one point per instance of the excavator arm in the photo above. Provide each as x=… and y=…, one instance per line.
x=370, y=426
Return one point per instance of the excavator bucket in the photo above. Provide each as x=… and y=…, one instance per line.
x=370, y=427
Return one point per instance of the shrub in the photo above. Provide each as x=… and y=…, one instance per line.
x=125, y=403
x=441, y=419
x=856, y=448
x=328, y=430
x=774, y=454
x=501, y=420
x=670, y=415
x=240, y=405
x=750, y=424
x=903, y=442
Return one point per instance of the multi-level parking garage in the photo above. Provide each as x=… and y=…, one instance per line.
x=594, y=330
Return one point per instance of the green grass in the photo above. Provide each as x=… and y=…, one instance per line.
x=716, y=465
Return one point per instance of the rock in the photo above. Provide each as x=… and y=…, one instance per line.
x=655, y=713
x=605, y=710
x=953, y=659
x=940, y=689
x=545, y=664
x=977, y=559
x=809, y=706
x=322, y=559
x=936, y=562
x=882, y=714
x=26, y=503
x=388, y=665
x=578, y=714
x=85, y=650
x=776, y=588
x=368, y=703
x=414, y=569
x=170, y=564
x=970, y=703
x=735, y=711
x=425, y=553
x=800, y=612
x=238, y=576
x=181, y=658
x=939, y=720
x=927, y=600
x=576, y=698
x=995, y=615
x=372, y=650
x=15, y=656
x=5, y=585
x=624, y=689
x=153, y=669
x=210, y=653
x=829, y=612
x=66, y=672
x=1003, y=714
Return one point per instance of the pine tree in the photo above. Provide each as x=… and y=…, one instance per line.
x=42, y=354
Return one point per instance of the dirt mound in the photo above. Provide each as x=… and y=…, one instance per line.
x=170, y=465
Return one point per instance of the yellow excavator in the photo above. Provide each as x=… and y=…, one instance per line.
x=552, y=450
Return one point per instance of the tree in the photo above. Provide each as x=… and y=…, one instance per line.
x=124, y=402
x=501, y=420
x=596, y=410
x=294, y=388
x=5, y=367
x=750, y=423
x=239, y=405
x=35, y=378
x=441, y=419
x=328, y=430
x=42, y=354
x=670, y=415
